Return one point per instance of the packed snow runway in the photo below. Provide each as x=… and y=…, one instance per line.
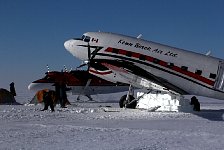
x=105, y=126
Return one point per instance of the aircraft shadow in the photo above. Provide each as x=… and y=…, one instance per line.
x=213, y=115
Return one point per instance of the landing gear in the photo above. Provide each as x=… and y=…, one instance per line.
x=84, y=90
x=129, y=103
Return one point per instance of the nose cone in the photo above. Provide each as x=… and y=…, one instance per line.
x=67, y=45
x=77, y=48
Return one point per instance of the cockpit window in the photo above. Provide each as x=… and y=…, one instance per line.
x=85, y=38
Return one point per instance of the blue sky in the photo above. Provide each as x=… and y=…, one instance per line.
x=32, y=32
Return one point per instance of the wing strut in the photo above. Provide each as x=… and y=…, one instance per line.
x=84, y=89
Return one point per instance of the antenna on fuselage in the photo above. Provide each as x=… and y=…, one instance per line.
x=139, y=36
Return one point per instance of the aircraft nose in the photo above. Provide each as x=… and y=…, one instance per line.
x=67, y=44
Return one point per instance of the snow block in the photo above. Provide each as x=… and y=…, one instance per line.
x=163, y=102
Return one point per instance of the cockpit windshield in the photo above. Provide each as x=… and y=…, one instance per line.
x=86, y=38
x=83, y=38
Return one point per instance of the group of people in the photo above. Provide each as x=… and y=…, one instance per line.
x=61, y=96
x=49, y=98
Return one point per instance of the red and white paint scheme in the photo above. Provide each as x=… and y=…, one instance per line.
x=142, y=63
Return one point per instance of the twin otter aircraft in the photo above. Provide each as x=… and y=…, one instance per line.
x=149, y=65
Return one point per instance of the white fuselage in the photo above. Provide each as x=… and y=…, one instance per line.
x=194, y=73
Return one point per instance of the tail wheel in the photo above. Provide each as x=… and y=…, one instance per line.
x=123, y=102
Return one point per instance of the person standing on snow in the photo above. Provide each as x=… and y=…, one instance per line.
x=195, y=103
x=12, y=89
x=48, y=101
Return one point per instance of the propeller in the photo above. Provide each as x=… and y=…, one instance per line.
x=89, y=51
x=90, y=58
x=82, y=65
x=90, y=55
x=87, y=62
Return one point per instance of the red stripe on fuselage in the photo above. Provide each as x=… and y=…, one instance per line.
x=163, y=64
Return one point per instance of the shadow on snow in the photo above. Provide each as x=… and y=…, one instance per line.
x=213, y=115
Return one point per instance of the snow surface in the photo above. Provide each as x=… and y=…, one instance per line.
x=104, y=126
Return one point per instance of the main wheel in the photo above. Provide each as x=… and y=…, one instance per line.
x=123, y=102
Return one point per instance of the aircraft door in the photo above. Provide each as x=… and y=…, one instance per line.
x=219, y=83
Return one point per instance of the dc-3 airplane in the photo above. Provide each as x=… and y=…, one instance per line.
x=79, y=82
x=149, y=65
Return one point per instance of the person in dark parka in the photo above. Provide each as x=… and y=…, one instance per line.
x=61, y=96
x=195, y=102
x=12, y=89
x=48, y=101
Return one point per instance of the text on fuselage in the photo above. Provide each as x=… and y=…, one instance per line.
x=140, y=46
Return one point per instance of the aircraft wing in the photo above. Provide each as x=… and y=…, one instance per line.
x=138, y=77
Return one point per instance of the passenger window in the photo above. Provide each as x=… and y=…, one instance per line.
x=184, y=68
x=156, y=61
x=170, y=65
x=198, y=72
x=212, y=76
x=142, y=57
x=129, y=54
